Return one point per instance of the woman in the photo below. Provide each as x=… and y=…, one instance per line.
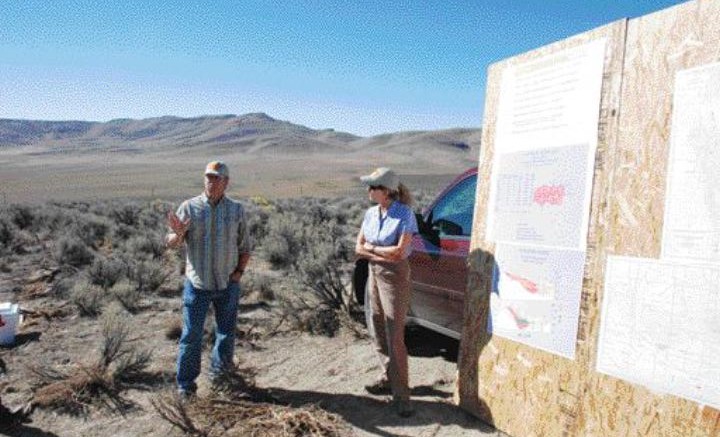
x=385, y=240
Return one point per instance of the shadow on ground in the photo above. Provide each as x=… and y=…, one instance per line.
x=22, y=339
x=372, y=413
x=422, y=342
x=26, y=431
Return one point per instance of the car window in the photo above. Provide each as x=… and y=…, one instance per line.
x=453, y=214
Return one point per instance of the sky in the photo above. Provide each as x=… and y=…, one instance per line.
x=364, y=67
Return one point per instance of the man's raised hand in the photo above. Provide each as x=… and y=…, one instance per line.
x=179, y=227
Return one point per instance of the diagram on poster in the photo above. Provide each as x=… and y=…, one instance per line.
x=536, y=296
x=659, y=327
x=540, y=197
x=693, y=166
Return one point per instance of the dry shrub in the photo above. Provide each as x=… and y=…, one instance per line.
x=173, y=410
x=324, y=321
x=74, y=392
x=351, y=323
x=260, y=283
x=172, y=287
x=70, y=251
x=128, y=295
x=304, y=316
x=225, y=417
x=173, y=328
x=147, y=275
x=146, y=245
x=106, y=272
x=88, y=298
x=99, y=383
x=117, y=348
x=324, y=266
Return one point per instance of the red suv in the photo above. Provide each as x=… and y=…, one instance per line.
x=438, y=262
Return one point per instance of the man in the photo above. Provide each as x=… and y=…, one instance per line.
x=213, y=228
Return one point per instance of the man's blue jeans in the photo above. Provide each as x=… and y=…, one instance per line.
x=195, y=306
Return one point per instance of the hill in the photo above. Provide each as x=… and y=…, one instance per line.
x=255, y=133
x=163, y=157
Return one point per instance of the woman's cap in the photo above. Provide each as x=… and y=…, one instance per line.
x=382, y=176
x=217, y=168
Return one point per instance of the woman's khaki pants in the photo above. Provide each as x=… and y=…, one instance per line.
x=390, y=299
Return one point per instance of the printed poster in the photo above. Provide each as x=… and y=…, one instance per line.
x=540, y=192
x=547, y=104
x=659, y=327
x=691, y=228
x=534, y=300
x=540, y=197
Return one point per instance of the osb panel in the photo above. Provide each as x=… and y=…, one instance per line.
x=657, y=46
x=519, y=389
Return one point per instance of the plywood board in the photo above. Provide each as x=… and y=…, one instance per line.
x=527, y=392
x=521, y=390
x=657, y=47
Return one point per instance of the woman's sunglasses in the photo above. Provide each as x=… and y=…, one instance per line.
x=375, y=187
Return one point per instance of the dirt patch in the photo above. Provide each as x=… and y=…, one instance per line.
x=294, y=369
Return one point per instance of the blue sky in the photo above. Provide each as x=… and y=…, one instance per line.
x=364, y=67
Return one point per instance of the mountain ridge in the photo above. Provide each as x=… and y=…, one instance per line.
x=253, y=133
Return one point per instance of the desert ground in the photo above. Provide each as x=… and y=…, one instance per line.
x=302, y=364
x=299, y=356
x=90, y=178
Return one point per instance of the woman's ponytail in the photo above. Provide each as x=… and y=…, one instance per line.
x=403, y=195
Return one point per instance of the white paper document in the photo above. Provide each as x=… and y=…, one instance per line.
x=540, y=197
x=691, y=228
x=553, y=100
x=660, y=327
x=536, y=296
x=547, y=125
x=540, y=192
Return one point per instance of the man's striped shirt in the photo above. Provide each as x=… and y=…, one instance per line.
x=216, y=236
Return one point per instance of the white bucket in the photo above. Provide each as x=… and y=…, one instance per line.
x=9, y=322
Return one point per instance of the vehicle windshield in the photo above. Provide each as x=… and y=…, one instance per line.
x=453, y=214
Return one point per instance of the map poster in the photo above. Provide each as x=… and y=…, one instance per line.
x=540, y=197
x=659, y=327
x=536, y=296
x=693, y=167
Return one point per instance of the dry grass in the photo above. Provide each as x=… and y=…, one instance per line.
x=75, y=391
x=226, y=417
x=99, y=383
x=239, y=408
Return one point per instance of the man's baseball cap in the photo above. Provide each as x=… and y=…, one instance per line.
x=217, y=168
x=382, y=176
